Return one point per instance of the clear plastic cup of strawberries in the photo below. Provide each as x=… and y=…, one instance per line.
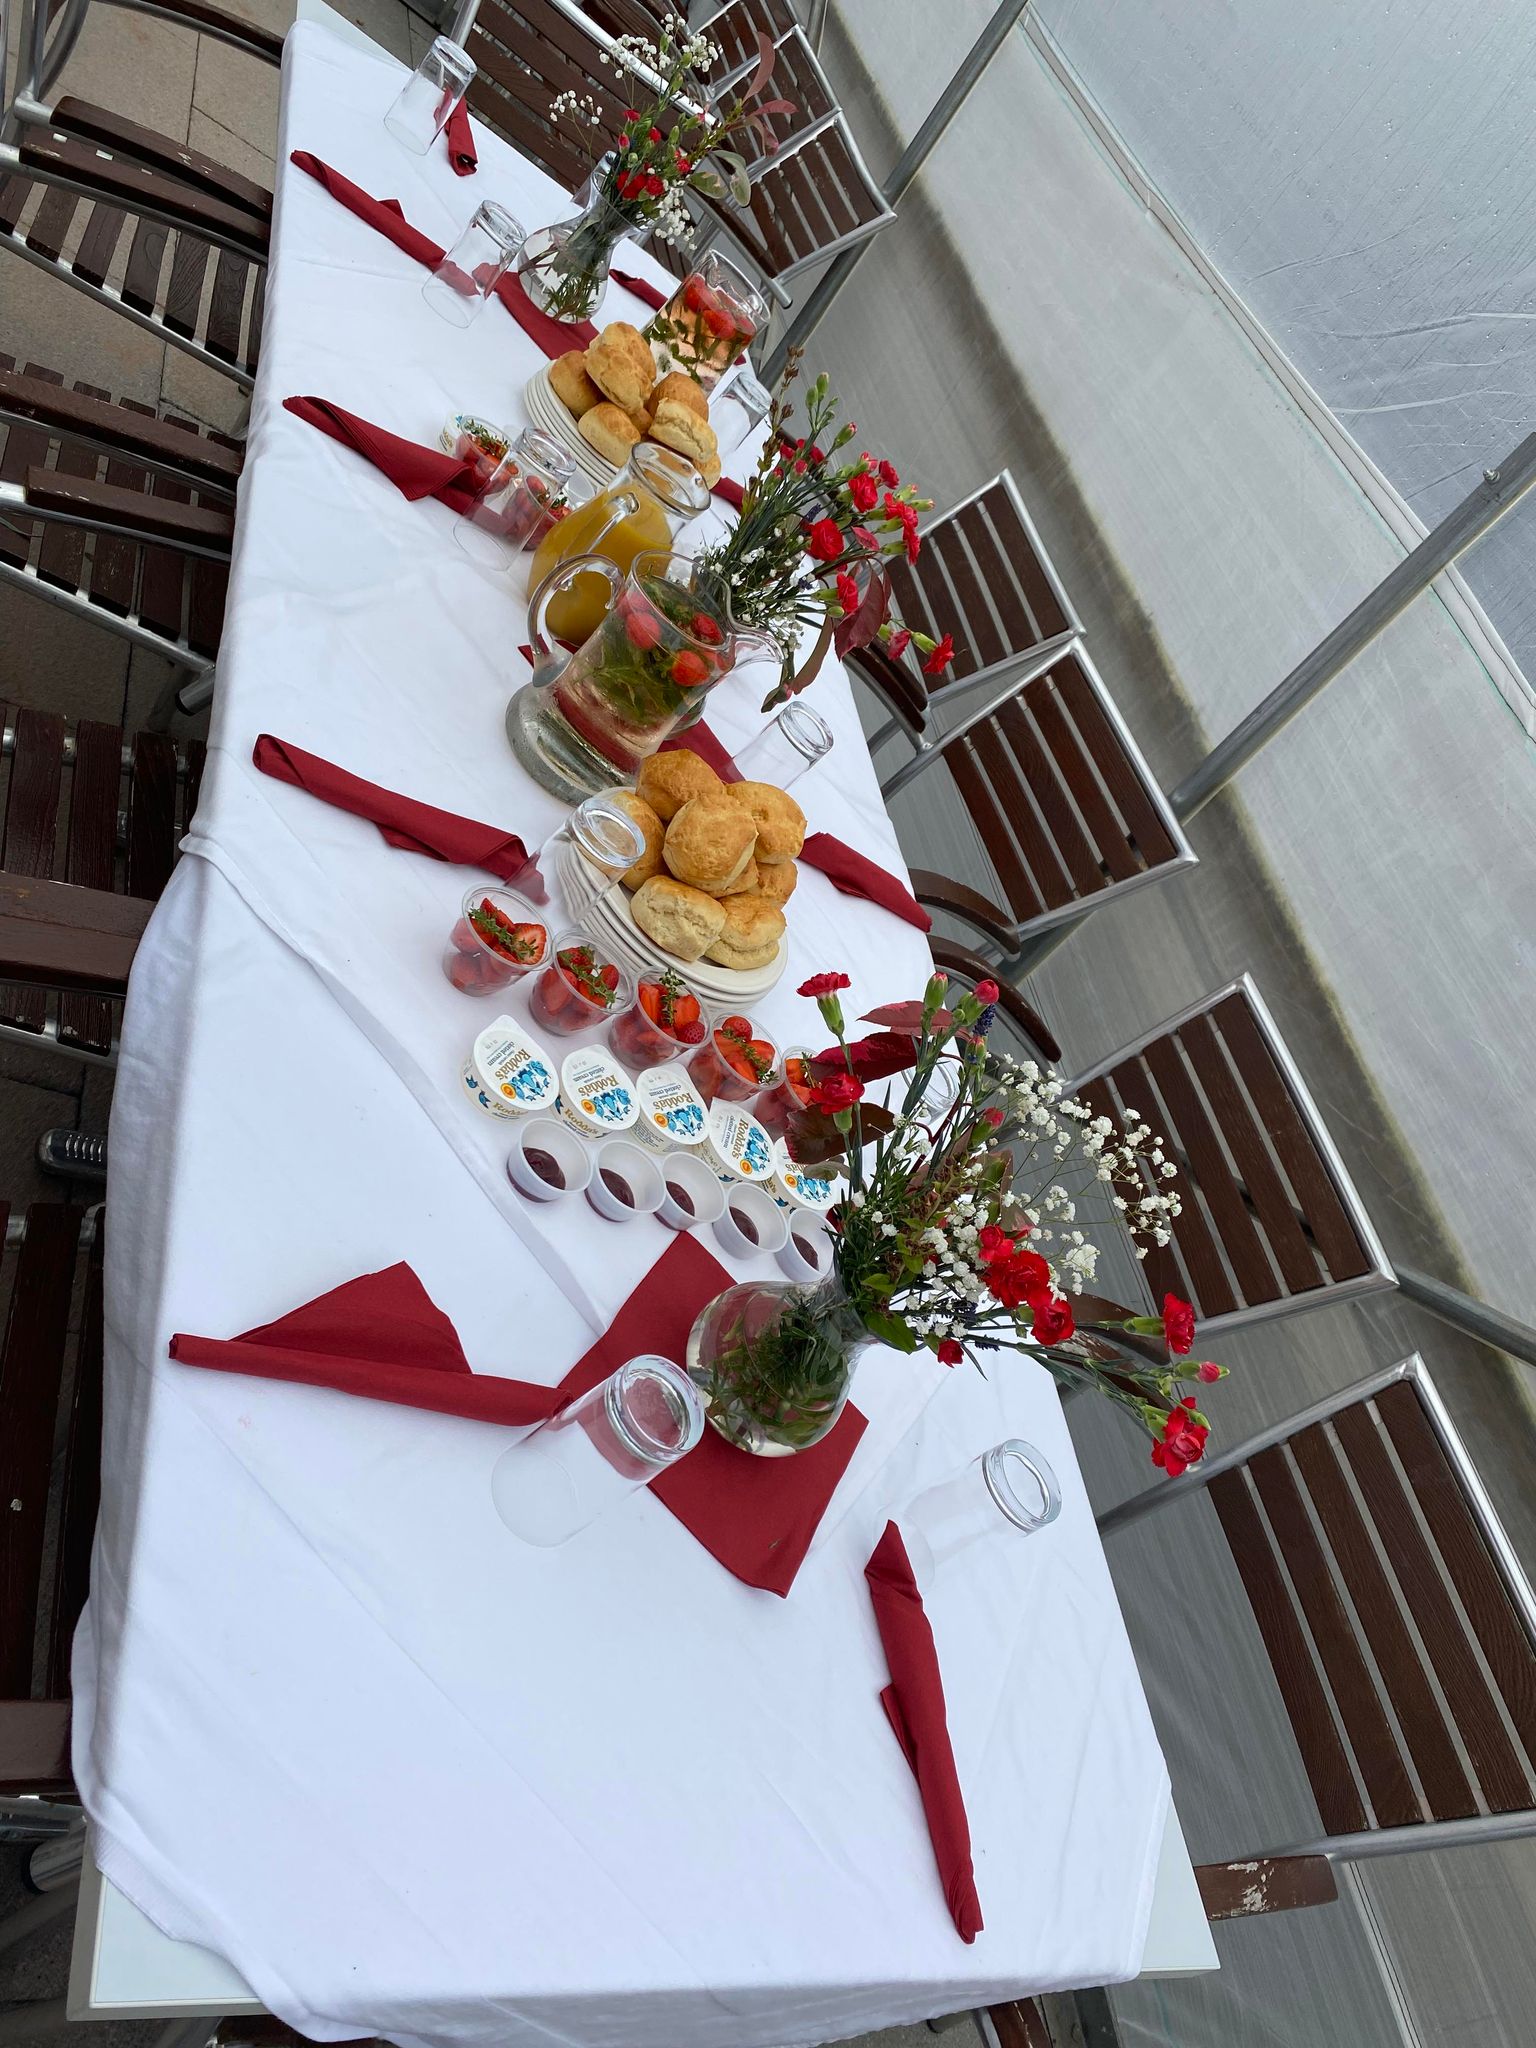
x=665, y=1021
x=579, y=987
x=735, y=1062
x=791, y=1091
x=497, y=940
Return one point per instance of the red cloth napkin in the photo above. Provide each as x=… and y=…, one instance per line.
x=416, y=472
x=418, y=827
x=914, y=1706
x=461, y=142
x=383, y=1337
x=853, y=873
x=383, y=214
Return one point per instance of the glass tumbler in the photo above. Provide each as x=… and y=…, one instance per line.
x=1009, y=1491
x=787, y=747
x=595, y=1453
x=737, y=408
x=530, y=478
x=421, y=112
x=472, y=268
x=602, y=831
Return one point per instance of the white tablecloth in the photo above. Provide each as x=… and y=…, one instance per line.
x=332, y=1721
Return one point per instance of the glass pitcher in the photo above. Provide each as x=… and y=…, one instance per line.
x=646, y=506
x=662, y=642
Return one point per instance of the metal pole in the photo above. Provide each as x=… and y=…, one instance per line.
x=908, y=164
x=463, y=21
x=1476, y=1318
x=1499, y=490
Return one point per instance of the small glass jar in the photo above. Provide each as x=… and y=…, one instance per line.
x=1008, y=1492
x=664, y=1022
x=786, y=747
x=738, y=409
x=420, y=113
x=735, y=1063
x=471, y=270
x=791, y=1091
x=578, y=988
x=595, y=1453
x=497, y=940
x=531, y=478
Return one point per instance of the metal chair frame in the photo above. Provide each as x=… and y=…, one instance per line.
x=1380, y=1273
x=1379, y=1841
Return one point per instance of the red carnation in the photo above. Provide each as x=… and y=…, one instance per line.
x=1053, y=1322
x=1015, y=1276
x=837, y=1091
x=994, y=1117
x=1209, y=1372
x=823, y=985
x=888, y=473
x=1182, y=1444
x=992, y=1239
x=824, y=540
x=1178, y=1321
x=986, y=995
x=950, y=1352
x=655, y=134
x=898, y=643
x=863, y=490
x=911, y=544
x=847, y=592
x=941, y=657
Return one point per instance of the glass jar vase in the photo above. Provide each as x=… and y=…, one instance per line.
x=564, y=268
x=775, y=1361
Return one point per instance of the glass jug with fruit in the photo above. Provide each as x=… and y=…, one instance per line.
x=707, y=323
x=643, y=509
x=593, y=716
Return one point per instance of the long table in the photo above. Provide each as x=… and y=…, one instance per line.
x=333, y=1724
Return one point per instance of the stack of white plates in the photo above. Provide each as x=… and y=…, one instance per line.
x=546, y=411
x=609, y=922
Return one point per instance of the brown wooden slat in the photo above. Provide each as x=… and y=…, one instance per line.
x=1370, y=1733
x=31, y=821
x=89, y=501
x=34, y=1748
x=1508, y=1649
x=90, y=861
x=253, y=319
x=151, y=815
x=1265, y=1884
x=1446, y=1785
x=1006, y=556
x=1019, y=2024
x=1020, y=888
x=1121, y=777
x=53, y=935
x=826, y=161
x=1306, y=1703
x=1163, y=1273
x=184, y=293
x=1270, y=1203
x=51, y=223
x=37, y=1331
x=943, y=892
x=1210, y=1290
x=1009, y=777
x=25, y=447
x=114, y=561
x=14, y=194
x=955, y=601
x=1325, y=1216
x=808, y=219
x=1069, y=843
x=146, y=259
x=1020, y=625
x=178, y=160
x=82, y=1481
x=1105, y=833
x=227, y=305
x=1499, y=1770
x=1209, y=1170
x=40, y=396
x=98, y=245
x=129, y=184
x=208, y=588
x=61, y=558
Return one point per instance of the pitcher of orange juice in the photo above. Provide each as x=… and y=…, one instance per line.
x=648, y=503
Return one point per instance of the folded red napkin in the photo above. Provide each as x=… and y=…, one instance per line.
x=642, y=288
x=554, y=337
x=415, y=471
x=418, y=827
x=461, y=142
x=914, y=1706
x=852, y=873
x=383, y=1337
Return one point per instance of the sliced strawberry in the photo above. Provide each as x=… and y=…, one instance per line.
x=650, y=993
x=642, y=628
x=689, y=670
x=529, y=941
x=685, y=1012
x=697, y=296
x=707, y=629
x=719, y=322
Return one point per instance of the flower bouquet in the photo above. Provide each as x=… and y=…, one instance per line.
x=810, y=547
x=674, y=142
x=958, y=1233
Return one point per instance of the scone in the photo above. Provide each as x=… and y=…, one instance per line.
x=750, y=935
x=667, y=781
x=745, y=883
x=709, y=843
x=777, y=879
x=779, y=819
x=678, y=426
x=649, y=862
x=681, y=920
x=709, y=469
x=680, y=387
x=570, y=383
x=611, y=432
x=621, y=365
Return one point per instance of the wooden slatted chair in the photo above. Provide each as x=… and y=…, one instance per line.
x=1271, y=1222
x=82, y=177
x=129, y=802
x=1400, y=1626
x=73, y=464
x=1066, y=808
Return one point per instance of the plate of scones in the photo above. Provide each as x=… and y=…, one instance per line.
x=711, y=886
x=603, y=400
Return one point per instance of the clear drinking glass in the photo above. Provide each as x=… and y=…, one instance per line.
x=737, y=408
x=604, y=833
x=1009, y=1491
x=472, y=268
x=792, y=742
x=595, y=1453
x=531, y=477
x=421, y=112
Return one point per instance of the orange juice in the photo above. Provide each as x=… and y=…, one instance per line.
x=578, y=612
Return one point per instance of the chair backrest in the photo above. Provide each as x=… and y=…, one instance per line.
x=1270, y=1221
x=1067, y=809
x=55, y=1289
x=1401, y=1629
x=73, y=930
x=812, y=200
x=983, y=575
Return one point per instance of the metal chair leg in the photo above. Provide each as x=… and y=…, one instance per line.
x=55, y=1864
x=72, y=1155
x=195, y=695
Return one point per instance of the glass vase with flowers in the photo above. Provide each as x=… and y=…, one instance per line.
x=955, y=1232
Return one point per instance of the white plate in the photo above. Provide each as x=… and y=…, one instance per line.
x=610, y=921
x=547, y=411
